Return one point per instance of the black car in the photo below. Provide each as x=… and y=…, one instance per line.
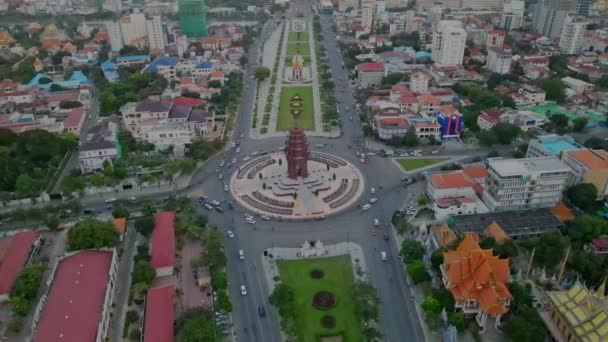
x=385, y=237
x=261, y=311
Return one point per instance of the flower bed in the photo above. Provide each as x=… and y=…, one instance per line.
x=317, y=274
x=323, y=300
x=328, y=321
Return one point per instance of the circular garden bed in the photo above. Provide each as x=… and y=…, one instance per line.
x=328, y=321
x=323, y=300
x=317, y=274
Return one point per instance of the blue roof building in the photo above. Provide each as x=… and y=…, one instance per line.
x=75, y=81
x=132, y=59
x=160, y=61
x=204, y=65
x=109, y=71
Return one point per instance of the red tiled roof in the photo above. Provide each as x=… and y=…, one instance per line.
x=601, y=244
x=158, y=326
x=74, y=304
x=451, y=180
x=370, y=67
x=488, y=119
x=162, y=242
x=394, y=122
x=187, y=101
x=474, y=171
x=426, y=124
x=74, y=119
x=14, y=259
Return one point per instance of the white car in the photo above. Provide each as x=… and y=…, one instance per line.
x=215, y=203
x=376, y=222
x=383, y=256
x=233, y=160
x=372, y=190
x=225, y=187
x=230, y=234
x=233, y=144
x=220, y=176
x=373, y=200
x=434, y=151
x=250, y=220
x=242, y=135
x=255, y=153
x=241, y=254
x=238, y=150
x=265, y=218
x=110, y=200
x=208, y=206
x=243, y=290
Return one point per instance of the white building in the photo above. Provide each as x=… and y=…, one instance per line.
x=512, y=15
x=92, y=155
x=577, y=86
x=449, y=40
x=573, y=34
x=156, y=36
x=499, y=60
x=530, y=183
x=452, y=194
x=419, y=82
x=436, y=15
x=115, y=35
x=134, y=30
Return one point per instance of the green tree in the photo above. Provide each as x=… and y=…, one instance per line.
x=367, y=301
x=283, y=299
x=214, y=248
x=120, y=212
x=555, y=89
x=417, y=272
x=51, y=222
x=411, y=250
x=505, y=132
x=197, y=329
x=432, y=311
x=143, y=272
x=487, y=138
x=437, y=258
x=583, y=196
x=220, y=281
x=92, y=234
x=550, y=249
x=525, y=326
x=411, y=139
x=579, y=124
x=223, y=301
x=132, y=315
x=559, y=120
x=20, y=305
x=521, y=292
x=72, y=184
x=148, y=208
x=28, y=281
x=590, y=266
x=587, y=227
x=262, y=72
x=458, y=320
x=144, y=225
x=445, y=297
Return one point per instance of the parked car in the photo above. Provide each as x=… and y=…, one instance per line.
x=219, y=209
x=243, y=290
x=230, y=234
x=383, y=256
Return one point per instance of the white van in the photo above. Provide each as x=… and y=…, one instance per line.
x=383, y=255
x=372, y=191
x=366, y=207
x=241, y=254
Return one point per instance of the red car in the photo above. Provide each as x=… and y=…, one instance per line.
x=219, y=209
x=373, y=232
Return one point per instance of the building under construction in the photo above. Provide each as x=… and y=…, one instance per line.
x=193, y=17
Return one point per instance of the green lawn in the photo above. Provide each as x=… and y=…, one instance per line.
x=293, y=48
x=293, y=37
x=339, y=280
x=417, y=163
x=306, y=119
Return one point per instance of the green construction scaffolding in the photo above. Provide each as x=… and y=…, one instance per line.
x=193, y=18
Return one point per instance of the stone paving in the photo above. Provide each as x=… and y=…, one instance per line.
x=271, y=181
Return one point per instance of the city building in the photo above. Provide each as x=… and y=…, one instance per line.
x=192, y=17
x=162, y=244
x=577, y=87
x=450, y=120
x=133, y=29
x=441, y=236
x=551, y=145
x=573, y=34
x=512, y=15
x=132, y=60
x=159, y=315
x=367, y=14
x=92, y=155
x=576, y=314
x=16, y=255
x=599, y=245
x=532, y=94
x=549, y=16
x=156, y=35
x=524, y=119
x=499, y=60
x=453, y=193
x=588, y=166
x=477, y=280
x=493, y=38
x=390, y=127
x=370, y=74
x=77, y=305
x=419, y=82
x=515, y=224
x=449, y=40
x=114, y=35
x=530, y=183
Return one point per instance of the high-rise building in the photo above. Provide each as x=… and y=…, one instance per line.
x=550, y=15
x=529, y=183
x=193, y=17
x=449, y=40
x=457, y=5
x=115, y=35
x=584, y=6
x=133, y=29
x=573, y=34
x=112, y=5
x=499, y=60
x=410, y=17
x=156, y=35
x=512, y=15
x=367, y=14
x=436, y=13
x=419, y=82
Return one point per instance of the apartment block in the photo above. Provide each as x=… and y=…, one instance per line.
x=530, y=183
x=449, y=40
x=551, y=145
x=588, y=166
x=499, y=60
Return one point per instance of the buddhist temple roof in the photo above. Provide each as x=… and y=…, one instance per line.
x=586, y=312
x=443, y=234
x=493, y=230
x=476, y=274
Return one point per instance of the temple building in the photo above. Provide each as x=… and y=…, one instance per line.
x=296, y=153
x=477, y=280
x=578, y=314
